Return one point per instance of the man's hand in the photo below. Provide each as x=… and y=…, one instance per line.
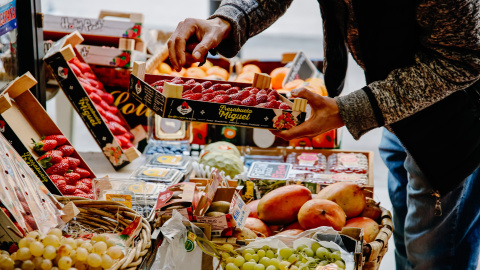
x=324, y=116
x=208, y=32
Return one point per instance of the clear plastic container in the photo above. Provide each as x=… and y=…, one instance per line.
x=181, y=163
x=348, y=163
x=158, y=175
x=167, y=147
x=313, y=162
x=338, y=177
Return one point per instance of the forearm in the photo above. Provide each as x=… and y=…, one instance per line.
x=247, y=19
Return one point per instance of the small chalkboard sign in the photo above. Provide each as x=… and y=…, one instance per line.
x=268, y=170
x=301, y=68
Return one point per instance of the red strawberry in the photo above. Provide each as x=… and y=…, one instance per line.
x=129, y=136
x=206, y=91
x=83, y=187
x=196, y=96
x=261, y=99
x=235, y=102
x=221, y=86
x=67, y=150
x=189, y=92
x=86, y=181
x=207, y=84
x=82, y=172
x=187, y=87
x=50, y=158
x=59, y=138
x=108, y=98
x=254, y=91
x=100, y=110
x=198, y=88
x=116, y=128
x=69, y=190
x=71, y=178
x=61, y=185
x=177, y=80
x=113, y=109
x=72, y=162
x=159, y=89
x=122, y=140
x=55, y=178
x=88, y=88
x=220, y=99
x=262, y=92
x=232, y=91
x=95, y=98
x=59, y=168
x=81, y=194
x=220, y=92
x=284, y=106
x=274, y=93
x=272, y=104
x=250, y=101
x=190, y=82
x=208, y=96
x=112, y=117
x=76, y=70
x=91, y=196
x=104, y=105
x=158, y=83
x=271, y=98
x=44, y=145
x=240, y=95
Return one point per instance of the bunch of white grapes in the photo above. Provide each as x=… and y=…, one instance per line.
x=54, y=252
x=266, y=258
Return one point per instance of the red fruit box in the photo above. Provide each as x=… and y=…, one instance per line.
x=107, y=127
x=99, y=31
x=170, y=104
x=23, y=119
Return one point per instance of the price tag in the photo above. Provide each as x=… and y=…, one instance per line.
x=302, y=68
x=120, y=198
x=239, y=211
x=267, y=170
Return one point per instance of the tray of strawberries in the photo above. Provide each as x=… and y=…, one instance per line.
x=216, y=102
x=64, y=166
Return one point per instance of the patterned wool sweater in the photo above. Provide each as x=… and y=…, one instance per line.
x=447, y=61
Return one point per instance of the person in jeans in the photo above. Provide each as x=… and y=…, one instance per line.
x=421, y=60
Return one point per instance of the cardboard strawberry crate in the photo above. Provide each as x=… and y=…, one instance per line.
x=98, y=120
x=122, y=56
x=98, y=31
x=170, y=104
x=23, y=119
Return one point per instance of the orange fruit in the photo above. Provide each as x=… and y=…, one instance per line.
x=278, y=75
x=251, y=68
x=318, y=85
x=205, y=66
x=216, y=70
x=164, y=68
x=245, y=77
x=195, y=72
x=297, y=83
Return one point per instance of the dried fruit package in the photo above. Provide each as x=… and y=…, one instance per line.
x=348, y=163
x=313, y=162
x=24, y=195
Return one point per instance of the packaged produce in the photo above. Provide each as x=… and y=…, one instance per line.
x=348, y=163
x=167, y=147
x=181, y=163
x=182, y=197
x=157, y=174
x=217, y=102
x=313, y=162
x=329, y=178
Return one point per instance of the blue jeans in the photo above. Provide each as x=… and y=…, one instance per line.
x=422, y=239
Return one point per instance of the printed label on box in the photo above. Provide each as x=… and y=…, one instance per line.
x=218, y=223
x=239, y=211
x=267, y=170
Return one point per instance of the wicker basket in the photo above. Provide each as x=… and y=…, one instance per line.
x=374, y=251
x=107, y=216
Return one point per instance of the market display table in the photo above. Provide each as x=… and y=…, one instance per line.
x=100, y=165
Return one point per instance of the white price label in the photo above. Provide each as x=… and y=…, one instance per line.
x=239, y=211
